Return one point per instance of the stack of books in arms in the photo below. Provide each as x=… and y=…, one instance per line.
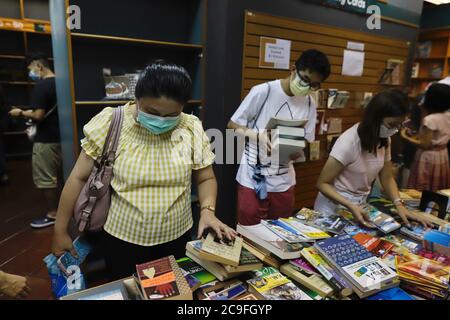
x=424, y=277
x=224, y=261
x=288, y=138
x=364, y=272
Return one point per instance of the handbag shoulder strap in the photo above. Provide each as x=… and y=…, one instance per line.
x=256, y=117
x=112, y=139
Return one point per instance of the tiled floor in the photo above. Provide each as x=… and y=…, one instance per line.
x=21, y=247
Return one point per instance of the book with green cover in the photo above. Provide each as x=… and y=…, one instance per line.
x=190, y=267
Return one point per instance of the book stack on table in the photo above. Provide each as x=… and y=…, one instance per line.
x=309, y=256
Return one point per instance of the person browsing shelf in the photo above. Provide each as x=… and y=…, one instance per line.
x=47, y=156
x=360, y=155
x=266, y=190
x=150, y=214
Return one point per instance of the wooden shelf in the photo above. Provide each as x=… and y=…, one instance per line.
x=37, y=20
x=20, y=83
x=425, y=79
x=119, y=102
x=24, y=25
x=17, y=155
x=393, y=85
x=14, y=133
x=430, y=58
x=11, y=56
x=136, y=40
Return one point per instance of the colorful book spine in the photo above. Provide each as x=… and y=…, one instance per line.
x=286, y=233
x=336, y=281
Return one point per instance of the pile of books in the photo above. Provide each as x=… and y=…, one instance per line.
x=303, y=273
x=288, y=137
x=269, y=243
x=223, y=260
x=364, y=272
x=228, y=290
x=269, y=284
x=162, y=279
x=195, y=274
x=424, y=277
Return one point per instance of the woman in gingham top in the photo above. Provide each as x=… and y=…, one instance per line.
x=160, y=148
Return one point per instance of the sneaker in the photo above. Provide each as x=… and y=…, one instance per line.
x=42, y=222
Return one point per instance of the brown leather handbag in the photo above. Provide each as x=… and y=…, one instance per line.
x=92, y=206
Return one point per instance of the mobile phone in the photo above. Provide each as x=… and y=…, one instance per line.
x=82, y=247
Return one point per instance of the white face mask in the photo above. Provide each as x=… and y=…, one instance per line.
x=297, y=89
x=386, y=132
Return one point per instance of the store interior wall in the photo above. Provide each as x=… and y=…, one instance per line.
x=436, y=17
x=225, y=29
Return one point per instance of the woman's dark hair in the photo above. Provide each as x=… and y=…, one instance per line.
x=437, y=98
x=314, y=61
x=415, y=114
x=163, y=79
x=389, y=103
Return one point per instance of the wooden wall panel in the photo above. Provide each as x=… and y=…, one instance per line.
x=332, y=41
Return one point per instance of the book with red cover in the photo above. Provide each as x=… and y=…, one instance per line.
x=163, y=279
x=377, y=246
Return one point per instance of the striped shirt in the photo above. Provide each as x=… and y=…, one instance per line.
x=151, y=187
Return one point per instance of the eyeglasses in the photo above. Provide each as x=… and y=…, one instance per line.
x=307, y=83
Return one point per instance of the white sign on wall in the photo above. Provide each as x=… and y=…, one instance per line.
x=274, y=53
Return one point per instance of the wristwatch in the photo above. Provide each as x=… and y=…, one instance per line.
x=208, y=207
x=399, y=202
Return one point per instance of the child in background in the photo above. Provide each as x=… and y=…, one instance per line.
x=430, y=169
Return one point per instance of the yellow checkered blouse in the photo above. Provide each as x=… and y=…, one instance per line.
x=151, y=188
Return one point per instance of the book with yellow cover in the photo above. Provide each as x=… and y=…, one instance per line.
x=306, y=231
x=310, y=280
x=423, y=268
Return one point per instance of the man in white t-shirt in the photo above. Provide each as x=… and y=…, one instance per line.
x=265, y=190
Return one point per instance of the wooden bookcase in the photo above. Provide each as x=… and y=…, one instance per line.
x=332, y=41
x=439, y=57
x=124, y=38
x=24, y=28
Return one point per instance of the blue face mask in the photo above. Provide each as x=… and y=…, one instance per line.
x=33, y=75
x=156, y=124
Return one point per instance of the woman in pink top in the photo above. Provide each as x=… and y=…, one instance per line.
x=430, y=169
x=360, y=155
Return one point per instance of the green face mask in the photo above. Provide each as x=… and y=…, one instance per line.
x=297, y=89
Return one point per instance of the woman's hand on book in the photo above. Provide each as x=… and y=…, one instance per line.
x=405, y=214
x=361, y=216
x=209, y=220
